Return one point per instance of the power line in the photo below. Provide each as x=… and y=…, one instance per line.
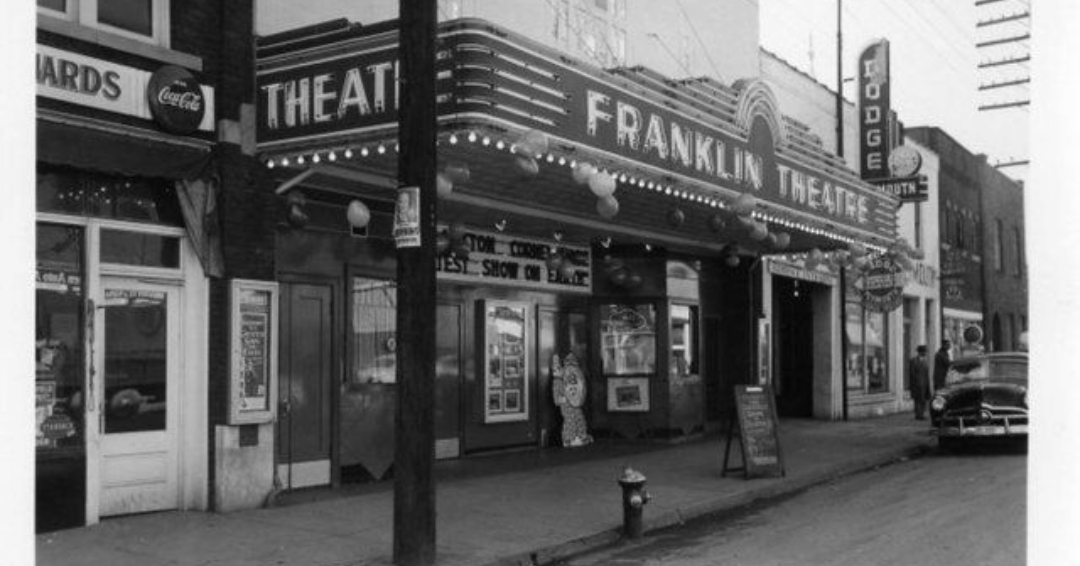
x=966, y=33
x=943, y=35
x=693, y=29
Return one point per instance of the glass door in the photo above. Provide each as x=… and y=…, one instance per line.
x=137, y=357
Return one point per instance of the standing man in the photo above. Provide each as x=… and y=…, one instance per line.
x=941, y=364
x=919, y=379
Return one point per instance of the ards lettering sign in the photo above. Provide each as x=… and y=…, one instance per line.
x=90, y=82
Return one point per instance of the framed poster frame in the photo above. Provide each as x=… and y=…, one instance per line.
x=507, y=371
x=253, y=338
x=628, y=394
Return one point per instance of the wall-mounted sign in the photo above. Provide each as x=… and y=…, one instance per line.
x=496, y=78
x=104, y=85
x=177, y=102
x=407, y=218
x=797, y=272
x=501, y=259
x=882, y=285
x=973, y=334
x=874, y=106
x=904, y=161
x=253, y=352
x=910, y=189
x=924, y=275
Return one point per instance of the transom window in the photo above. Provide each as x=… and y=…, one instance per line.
x=145, y=20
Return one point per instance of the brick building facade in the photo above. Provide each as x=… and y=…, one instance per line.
x=147, y=206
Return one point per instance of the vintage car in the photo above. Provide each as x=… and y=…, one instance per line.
x=984, y=396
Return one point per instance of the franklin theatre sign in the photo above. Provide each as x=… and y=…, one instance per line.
x=696, y=152
x=488, y=79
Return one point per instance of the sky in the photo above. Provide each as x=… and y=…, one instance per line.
x=934, y=59
x=933, y=53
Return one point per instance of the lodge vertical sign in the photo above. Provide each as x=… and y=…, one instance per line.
x=874, y=111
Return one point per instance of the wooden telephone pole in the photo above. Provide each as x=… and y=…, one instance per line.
x=414, y=425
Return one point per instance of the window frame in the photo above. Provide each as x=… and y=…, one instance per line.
x=85, y=13
x=1019, y=247
x=999, y=245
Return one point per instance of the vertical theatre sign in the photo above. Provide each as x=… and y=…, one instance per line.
x=874, y=110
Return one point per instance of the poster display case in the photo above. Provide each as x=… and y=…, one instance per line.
x=628, y=354
x=253, y=351
x=508, y=374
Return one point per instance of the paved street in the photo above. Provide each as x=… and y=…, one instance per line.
x=957, y=509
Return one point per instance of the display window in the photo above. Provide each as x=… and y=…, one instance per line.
x=58, y=333
x=868, y=353
x=628, y=339
x=507, y=380
x=684, y=342
x=373, y=331
x=84, y=193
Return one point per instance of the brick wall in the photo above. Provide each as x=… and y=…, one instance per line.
x=1006, y=288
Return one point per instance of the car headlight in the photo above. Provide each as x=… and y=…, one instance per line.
x=938, y=403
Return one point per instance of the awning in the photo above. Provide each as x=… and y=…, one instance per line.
x=121, y=151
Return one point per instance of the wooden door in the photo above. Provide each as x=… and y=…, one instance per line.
x=304, y=384
x=139, y=353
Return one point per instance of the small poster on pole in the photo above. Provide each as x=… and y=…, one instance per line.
x=407, y=218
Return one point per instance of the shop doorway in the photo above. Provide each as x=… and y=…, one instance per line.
x=794, y=349
x=368, y=398
x=305, y=376
x=138, y=351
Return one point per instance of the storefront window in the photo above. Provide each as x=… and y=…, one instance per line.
x=628, y=339
x=59, y=336
x=684, y=355
x=136, y=248
x=867, y=363
x=374, y=331
x=70, y=191
x=136, y=359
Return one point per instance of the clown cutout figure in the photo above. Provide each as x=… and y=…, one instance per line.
x=568, y=390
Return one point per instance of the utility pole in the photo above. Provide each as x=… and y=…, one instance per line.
x=840, y=152
x=839, y=81
x=414, y=423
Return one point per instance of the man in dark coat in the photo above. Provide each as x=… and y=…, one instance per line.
x=941, y=364
x=919, y=380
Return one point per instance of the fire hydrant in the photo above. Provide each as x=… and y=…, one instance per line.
x=634, y=498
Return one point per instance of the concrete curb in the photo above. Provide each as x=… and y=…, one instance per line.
x=787, y=486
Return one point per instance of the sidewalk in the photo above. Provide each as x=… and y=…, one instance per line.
x=533, y=508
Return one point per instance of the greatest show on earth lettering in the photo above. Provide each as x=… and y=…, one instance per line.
x=501, y=259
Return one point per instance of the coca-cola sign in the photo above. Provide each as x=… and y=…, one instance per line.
x=176, y=99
